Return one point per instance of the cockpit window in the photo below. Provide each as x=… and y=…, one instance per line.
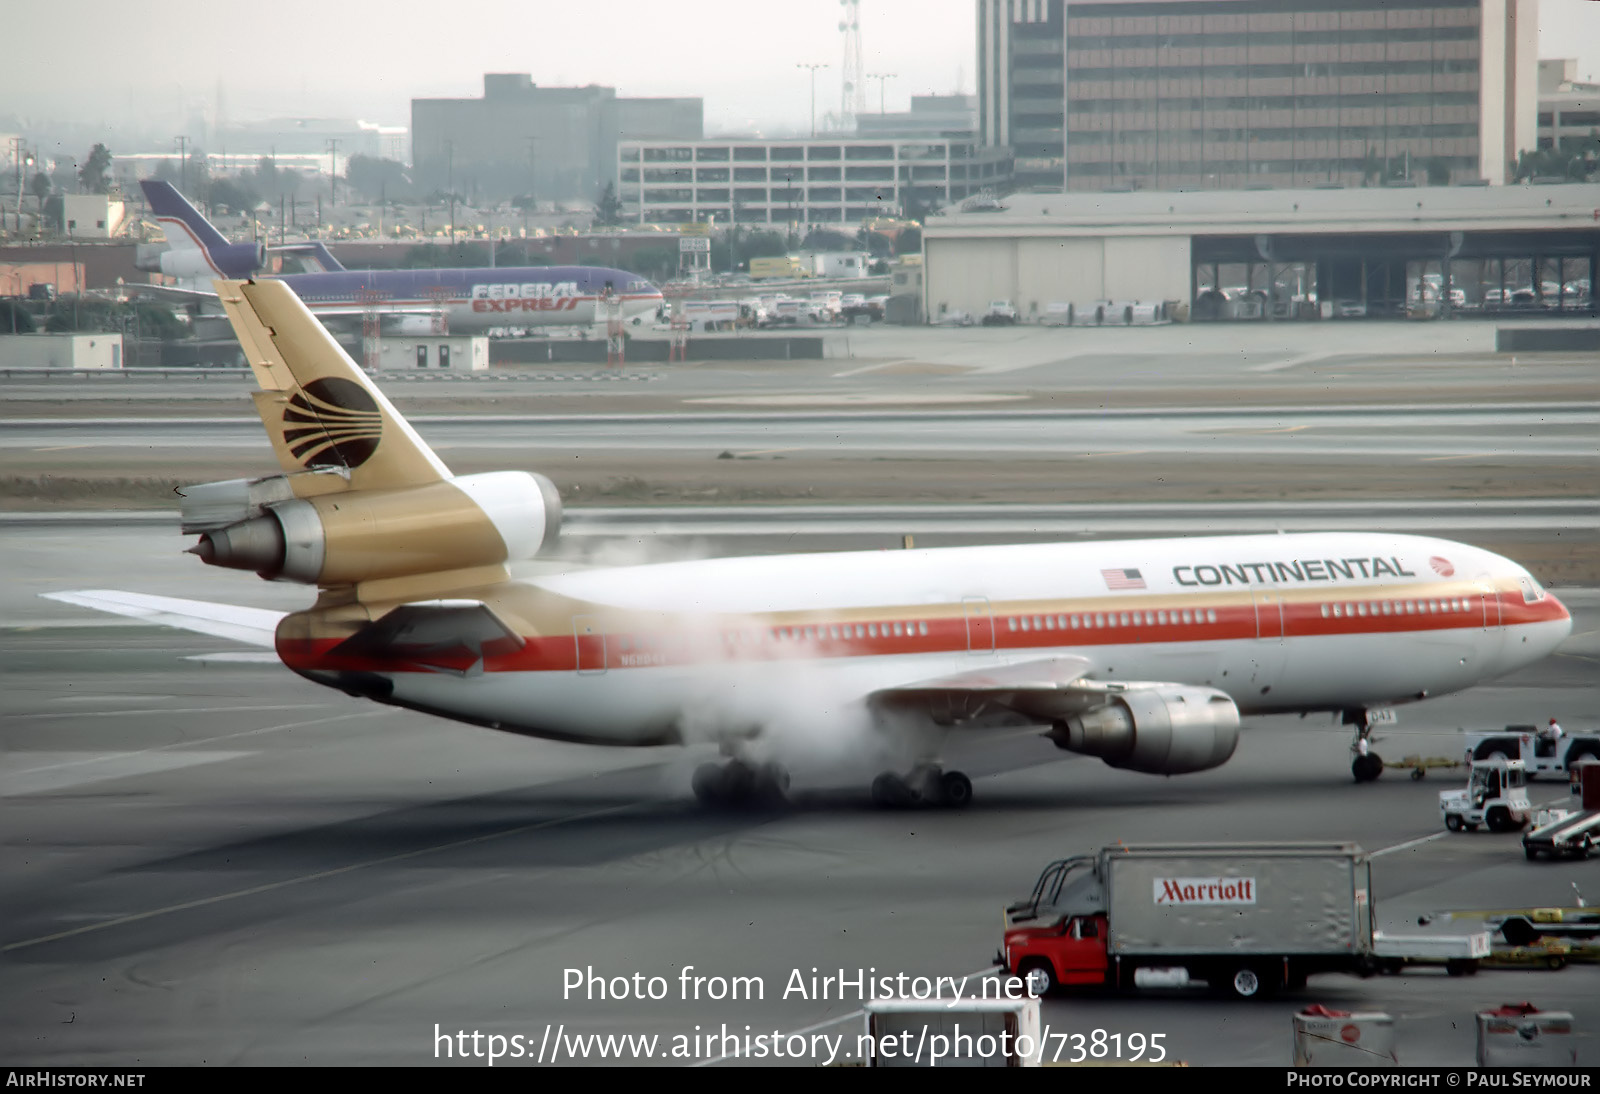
x=1532, y=591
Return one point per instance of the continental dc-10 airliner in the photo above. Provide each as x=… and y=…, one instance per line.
x=1144, y=653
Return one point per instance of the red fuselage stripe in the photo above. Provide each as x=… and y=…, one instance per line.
x=736, y=640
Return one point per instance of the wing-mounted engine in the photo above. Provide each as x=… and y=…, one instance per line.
x=1162, y=729
x=310, y=527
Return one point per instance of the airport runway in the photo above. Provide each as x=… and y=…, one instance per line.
x=1374, y=433
x=213, y=861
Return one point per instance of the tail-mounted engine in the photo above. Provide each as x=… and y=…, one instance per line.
x=310, y=527
x=1160, y=729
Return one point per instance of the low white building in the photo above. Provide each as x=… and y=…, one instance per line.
x=80, y=351
x=453, y=353
x=91, y=216
x=1288, y=250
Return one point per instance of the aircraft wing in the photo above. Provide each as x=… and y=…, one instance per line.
x=1046, y=689
x=252, y=626
x=359, y=311
x=172, y=294
x=442, y=635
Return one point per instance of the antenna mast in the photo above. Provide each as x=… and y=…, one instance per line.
x=853, y=92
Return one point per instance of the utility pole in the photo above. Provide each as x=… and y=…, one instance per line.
x=333, y=174
x=450, y=186
x=813, y=70
x=533, y=177
x=882, y=78
x=183, y=165
x=20, y=157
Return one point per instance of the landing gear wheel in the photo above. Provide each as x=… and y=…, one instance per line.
x=955, y=790
x=707, y=783
x=1366, y=768
x=771, y=784
x=737, y=783
x=1246, y=983
x=892, y=792
x=1039, y=976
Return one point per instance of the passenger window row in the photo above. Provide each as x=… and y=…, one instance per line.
x=832, y=632
x=1394, y=607
x=1097, y=620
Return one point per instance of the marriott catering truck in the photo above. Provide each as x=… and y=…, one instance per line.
x=1245, y=918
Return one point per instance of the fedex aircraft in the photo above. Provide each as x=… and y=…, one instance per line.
x=1144, y=653
x=407, y=301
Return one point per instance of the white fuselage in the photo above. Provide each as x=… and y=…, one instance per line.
x=1279, y=623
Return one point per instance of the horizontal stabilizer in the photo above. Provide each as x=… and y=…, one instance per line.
x=253, y=626
x=446, y=635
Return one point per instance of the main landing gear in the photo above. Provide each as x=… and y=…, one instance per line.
x=928, y=784
x=738, y=783
x=1367, y=765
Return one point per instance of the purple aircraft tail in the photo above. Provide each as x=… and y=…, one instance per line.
x=196, y=249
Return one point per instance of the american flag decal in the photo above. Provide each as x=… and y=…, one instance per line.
x=1122, y=579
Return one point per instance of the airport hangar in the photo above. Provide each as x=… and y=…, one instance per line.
x=1320, y=245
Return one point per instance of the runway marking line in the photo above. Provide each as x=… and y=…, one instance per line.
x=202, y=741
x=1463, y=456
x=768, y=451
x=153, y=710
x=62, y=447
x=877, y=365
x=320, y=875
x=1129, y=452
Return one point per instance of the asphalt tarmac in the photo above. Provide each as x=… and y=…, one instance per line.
x=210, y=860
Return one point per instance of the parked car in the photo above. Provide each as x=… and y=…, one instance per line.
x=1350, y=309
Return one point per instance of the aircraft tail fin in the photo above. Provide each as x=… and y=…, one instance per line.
x=196, y=248
x=319, y=409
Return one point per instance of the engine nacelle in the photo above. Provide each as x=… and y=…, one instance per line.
x=1162, y=730
x=410, y=326
x=340, y=538
x=233, y=260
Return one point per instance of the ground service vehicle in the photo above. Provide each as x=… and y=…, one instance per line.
x=1574, y=835
x=1000, y=313
x=1571, y=833
x=1539, y=756
x=1460, y=954
x=1496, y=796
x=1247, y=918
x=762, y=268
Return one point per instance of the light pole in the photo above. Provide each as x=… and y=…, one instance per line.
x=882, y=78
x=183, y=165
x=813, y=69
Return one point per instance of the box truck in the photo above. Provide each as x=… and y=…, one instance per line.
x=1245, y=918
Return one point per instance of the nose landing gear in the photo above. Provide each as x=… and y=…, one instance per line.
x=1367, y=765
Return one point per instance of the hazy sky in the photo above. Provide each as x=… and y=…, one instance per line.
x=160, y=62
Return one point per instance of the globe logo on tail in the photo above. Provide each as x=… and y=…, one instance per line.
x=332, y=422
